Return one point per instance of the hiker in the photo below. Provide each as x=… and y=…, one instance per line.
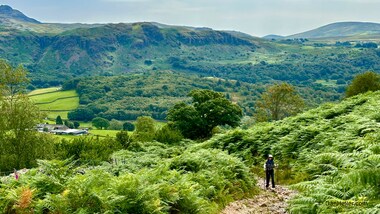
x=269, y=170
x=16, y=174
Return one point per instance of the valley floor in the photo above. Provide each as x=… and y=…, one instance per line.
x=272, y=201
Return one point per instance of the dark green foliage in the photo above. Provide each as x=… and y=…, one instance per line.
x=123, y=138
x=58, y=120
x=100, y=123
x=153, y=93
x=87, y=150
x=81, y=114
x=368, y=81
x=208, y=110
x=128, y=126
x=69, y=124
x=168, y=134
x=76, y=124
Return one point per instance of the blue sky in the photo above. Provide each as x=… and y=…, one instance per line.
x=256, y=17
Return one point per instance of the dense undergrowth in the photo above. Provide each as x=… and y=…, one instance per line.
x=331, y=154
x=146, y=178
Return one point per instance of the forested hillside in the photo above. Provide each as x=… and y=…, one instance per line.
x=153, y=93
x=330, y=154
x=55, y=53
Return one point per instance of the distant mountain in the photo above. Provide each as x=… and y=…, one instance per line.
x=8, y=13
x=273, y=36
x=54, y=53
x=342, y=29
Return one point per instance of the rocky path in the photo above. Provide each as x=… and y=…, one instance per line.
x=268, y=201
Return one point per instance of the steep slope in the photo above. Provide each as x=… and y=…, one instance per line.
x=341, y=29
x=6, y=12
x=333, y=149
x=57, y=52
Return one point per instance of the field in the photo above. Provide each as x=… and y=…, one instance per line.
x=44, y=90
x=104, y=133
x=55, y=102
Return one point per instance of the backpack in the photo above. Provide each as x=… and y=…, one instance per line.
x=269, y=165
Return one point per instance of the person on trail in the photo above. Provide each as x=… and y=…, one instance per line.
x=16, y=174
x=269, y=171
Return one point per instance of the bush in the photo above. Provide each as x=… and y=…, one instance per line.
x=115, y=125
x=86, y=149
x=128, y=126
x=167, y=134
x=368, y=81
x=145, y=129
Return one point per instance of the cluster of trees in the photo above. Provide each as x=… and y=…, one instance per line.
x=153, y=94
x=208, y=110
x=71, y=125
x=295, y=68
x=20, y=144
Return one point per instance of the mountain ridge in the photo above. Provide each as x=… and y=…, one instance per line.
x=7, y=12
x=340, y=29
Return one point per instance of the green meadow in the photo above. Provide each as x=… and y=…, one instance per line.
x=55, y=102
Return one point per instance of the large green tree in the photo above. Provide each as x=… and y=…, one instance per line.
x=277, y=102
x=208, y=110
x=59, y=120
x=20, y=144
x=100, y=123
x=145, y=129
x=368, y=81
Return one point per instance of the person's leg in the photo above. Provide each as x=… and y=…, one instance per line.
x=267, y=178
x=272, y=176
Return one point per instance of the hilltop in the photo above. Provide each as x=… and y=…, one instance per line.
x=6, y=12
x=342, y=30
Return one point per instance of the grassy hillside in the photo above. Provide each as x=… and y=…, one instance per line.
x=54, y=101
x=331, y=154
x=341, y=30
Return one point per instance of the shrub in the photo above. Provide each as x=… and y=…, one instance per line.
x=128, y=126
x=167, y=134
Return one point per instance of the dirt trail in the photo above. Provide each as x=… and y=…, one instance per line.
x=268, y=201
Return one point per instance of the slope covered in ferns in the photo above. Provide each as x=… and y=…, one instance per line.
x=331, y=154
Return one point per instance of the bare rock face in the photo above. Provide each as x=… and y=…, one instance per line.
x=272, y=201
